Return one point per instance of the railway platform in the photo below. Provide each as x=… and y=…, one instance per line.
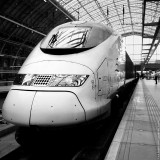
x=5, y=128
x=4, y=89
x=138, y=134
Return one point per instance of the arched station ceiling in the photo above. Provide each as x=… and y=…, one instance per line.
x=124, y=16
x=25, y=22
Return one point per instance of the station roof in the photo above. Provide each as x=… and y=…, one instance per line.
x=25, y=22
x=124, y=16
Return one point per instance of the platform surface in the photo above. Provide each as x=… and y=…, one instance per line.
x=138, y=135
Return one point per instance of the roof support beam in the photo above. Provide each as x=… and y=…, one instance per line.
x=12, y=56
x=15, y=43
x=130, y=14
x=152, y=0
x=62, y=10
x=153, y=45
x=143, y=18
x=85, y=10
x=104, y=15
x=118, y=16
x=143, y=36
x=151, y=51
x=151, y=24
x=21, y=25
x=147, y=44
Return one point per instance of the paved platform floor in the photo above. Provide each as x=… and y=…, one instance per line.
x=138, y=135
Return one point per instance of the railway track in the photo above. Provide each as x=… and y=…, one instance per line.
x=75, y=146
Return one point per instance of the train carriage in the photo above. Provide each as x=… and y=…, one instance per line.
x=69, y=78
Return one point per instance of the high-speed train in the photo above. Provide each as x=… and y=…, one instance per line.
x=69, y=78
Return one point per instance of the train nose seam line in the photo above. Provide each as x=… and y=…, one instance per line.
x=31, y=108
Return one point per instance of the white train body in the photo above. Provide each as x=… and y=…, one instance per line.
x=67, y=79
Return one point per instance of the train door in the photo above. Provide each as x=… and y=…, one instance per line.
x=103, y=87
x=110, y=76
x=102, y=79
x=113, y=84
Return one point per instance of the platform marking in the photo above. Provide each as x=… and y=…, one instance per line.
x=115, y=145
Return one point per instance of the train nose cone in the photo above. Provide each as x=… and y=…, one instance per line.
x=56, y=109
x=17, y=106
x=43, y=108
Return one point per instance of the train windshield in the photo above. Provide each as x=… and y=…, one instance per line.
x=69, y=37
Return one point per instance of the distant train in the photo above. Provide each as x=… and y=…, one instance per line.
x=69, y=78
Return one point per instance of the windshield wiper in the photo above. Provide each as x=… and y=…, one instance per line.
x=53, y=40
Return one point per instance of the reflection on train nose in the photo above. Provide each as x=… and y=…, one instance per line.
x=56, y=109
x=17, y=106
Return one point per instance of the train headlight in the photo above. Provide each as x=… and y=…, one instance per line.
x=52, y=80
x=69, y=80
x=24, y=79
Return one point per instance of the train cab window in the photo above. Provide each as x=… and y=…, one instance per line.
x=68, y=37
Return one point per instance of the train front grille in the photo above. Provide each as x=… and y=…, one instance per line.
x=42, y=80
